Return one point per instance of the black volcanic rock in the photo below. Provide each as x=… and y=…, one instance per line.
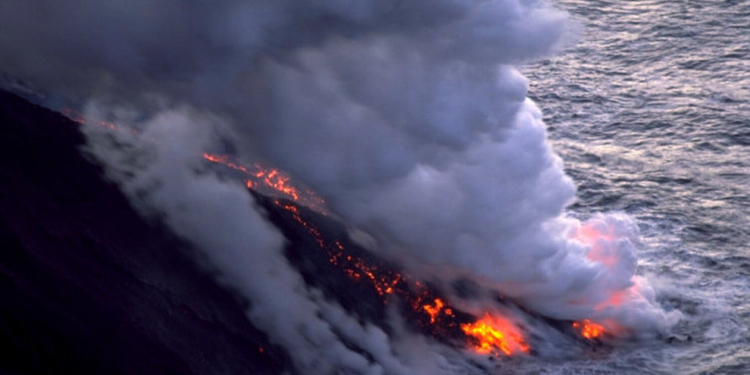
x=87, y=285
x=310, y=249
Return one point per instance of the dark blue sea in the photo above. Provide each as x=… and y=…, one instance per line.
x=650, y=110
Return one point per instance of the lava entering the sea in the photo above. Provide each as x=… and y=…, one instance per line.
x=493, y=334
x=490, y=334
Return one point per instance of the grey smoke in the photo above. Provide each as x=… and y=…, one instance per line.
x=408, y=117
x=160, y=171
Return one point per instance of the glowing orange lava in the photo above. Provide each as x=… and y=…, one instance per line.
x=489, y=335
x=258, y=176
x=435, y=310
x=355, y=268
x=73, y=115
x=277, y=181
x=495, y=334
x=589, y=329
x=78, y=117
x=270, y=178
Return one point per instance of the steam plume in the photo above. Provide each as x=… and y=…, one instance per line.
x=157, y=171
x=406, y=116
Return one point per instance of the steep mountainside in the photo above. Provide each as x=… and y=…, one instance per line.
x=87, y=285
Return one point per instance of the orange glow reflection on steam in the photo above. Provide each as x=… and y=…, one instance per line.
x=597, y=241
x=78, y=117
x=488, y=335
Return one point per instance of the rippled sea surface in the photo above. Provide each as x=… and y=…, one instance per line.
x=651, y=112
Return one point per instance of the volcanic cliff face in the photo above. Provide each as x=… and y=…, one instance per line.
x=88, y=286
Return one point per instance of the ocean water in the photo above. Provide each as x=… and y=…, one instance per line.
x=651, y=112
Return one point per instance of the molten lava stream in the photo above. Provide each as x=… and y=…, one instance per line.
x=495, y=335
x=489, y=335
x=434, y=311
x=78, y=118
x=589, y=329
x=270, y=179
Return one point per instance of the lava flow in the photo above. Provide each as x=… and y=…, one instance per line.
x=435, y=310
x=78, y=117
x=490, y=335
x=269, y=180
x=355, y=267
x=589, y=329
x=493, y=333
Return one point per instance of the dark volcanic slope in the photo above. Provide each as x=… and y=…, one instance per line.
x=88, y=286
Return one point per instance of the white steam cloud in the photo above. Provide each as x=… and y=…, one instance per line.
x=406, y=116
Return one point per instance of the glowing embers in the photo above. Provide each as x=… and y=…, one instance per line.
x=78, y=117
x=495, y=335
x=589, y=329
x=256, y=177
x=433, y=315
x=384, y=284
x=269, y=179
x=277, y=181
x=384, y=281
x=435, y=310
